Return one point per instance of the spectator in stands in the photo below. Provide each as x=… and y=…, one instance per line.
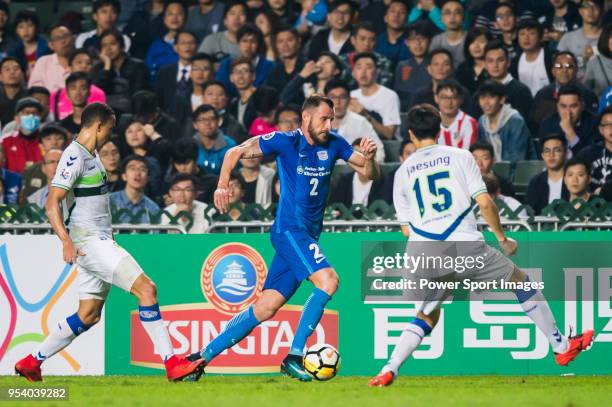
x=363, y=39
x=606, y=100
x=561, y=18
x=265, y=103
x=184, y=161
x=312, y=79
x=206, y=18
x=117, y=74
x=335, y=38
x=505, y=22
x=250, y=46
x=485, y=158
x=215, y=94
x=131, y=205
x=427, y=9
x=391, y=42
x=440, y=68
x=453, y=37
x=471, y=73
x=80, y=62
x=52, y=137
x=142, y=140
x=144, y=24
x=287, y=118
x=599, y=157
x=77, y=90
x=548, y=186
x=242, y=77
x=532, y=64
x=183, y=192
x=30, y=44
x=237, y=205
x=212, y=143
x=582, y=42
x=378, y=104
x=564, y=68
x=577, y=178
x=457, y=129
x=21, y=148
x=51, y=70
x=162, y=50
x=266, y=22
x=173, y=79
x=497, y=64
x=501, y=125
x=313, y=13
x=494, y=189
x=577, y=124
x=104, y=14
x=224, y=43
x=111, y=160
x=146, y=110
x=356, y=189
x=257, y=182
x=287, y=43
x=42, y=95
x=348, y=124
x=10, y=183
x=49, y=165
x=12, y=89
x=284, y=10
x=7, y=39
x=412, y=73
x=597, y=76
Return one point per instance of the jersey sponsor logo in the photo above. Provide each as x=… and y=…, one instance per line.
x=438, y=161
x=232, y=277
x=322, y=155
x=65, y=174
x=300, y=170
x=268, y=136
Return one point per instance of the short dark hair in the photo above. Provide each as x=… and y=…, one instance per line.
x=333, y=57
x=451, y=84
x=574, y=161
x=240, y=61
x=286, y=28
x=603, y=44
x=265, y=99
x=554, y=136
x=78, y=51
x=287, y=108
x=419, y=27
x=96, y=112
x=252, y=29
x=167, y=3
x=315, y=100
x=491, y=88
x=424, y=121
x=483, y=145
x=561, y=53
x=8, y=59
x=233, y=3
x=570, y=89
x=334, y=4
x=184, y=150
x=445, y=2
x=27, y=16
x=53, y=128
x=471, y=36
x=184, y=32
x=179, y=177
x=144, y=103
x=133, y=157
x=203, y=109
x=38, y=90
x=77, y=76
x=55, y=26
x=236, y=175
x=336, y=83
x=363, y=25
x=98, y=4
x=404, y=143
x=113, y=32
x=215, y=82
x=362, y=55
x=202, y=56
x=439, y=51
x=495, y=45
x=510, y=5
x=607, y=110
x=530, y=24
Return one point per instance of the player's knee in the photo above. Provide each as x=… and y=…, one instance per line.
x=329, y=284
x=89, y=317
x=264, y=310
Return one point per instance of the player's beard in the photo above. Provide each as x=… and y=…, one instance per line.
x=319, y=138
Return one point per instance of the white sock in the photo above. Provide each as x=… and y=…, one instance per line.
x=537, y=308
x=409, y=340
x=57, y=340
x=150, y=318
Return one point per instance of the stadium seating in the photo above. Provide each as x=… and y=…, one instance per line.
x=391, y=150
x=524, y=171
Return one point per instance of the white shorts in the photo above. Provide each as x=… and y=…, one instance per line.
x=105, y=263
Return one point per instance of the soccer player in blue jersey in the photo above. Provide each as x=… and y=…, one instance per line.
x=305, y=159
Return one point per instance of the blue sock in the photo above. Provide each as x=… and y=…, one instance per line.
x=76, y=325
x=235, y=331
x=524, y=295
x=311, y=315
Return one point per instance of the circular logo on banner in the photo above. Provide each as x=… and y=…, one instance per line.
x=232, y=277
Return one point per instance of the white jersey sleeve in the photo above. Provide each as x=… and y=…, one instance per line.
x=69, y=169
x=401, y=196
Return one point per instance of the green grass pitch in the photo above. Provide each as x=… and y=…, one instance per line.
x=255, y=391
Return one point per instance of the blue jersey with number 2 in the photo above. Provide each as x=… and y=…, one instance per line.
x=304, y=171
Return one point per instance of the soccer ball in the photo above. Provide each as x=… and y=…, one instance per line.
x=322, y=361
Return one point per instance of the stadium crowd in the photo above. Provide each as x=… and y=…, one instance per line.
x=524, y=85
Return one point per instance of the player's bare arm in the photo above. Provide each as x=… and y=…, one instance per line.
x=248, y=149
x=56, y=219
x=489, y=211
x=363, y=160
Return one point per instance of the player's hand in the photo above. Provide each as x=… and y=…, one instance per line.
x=310, y=68
x=70, y=252
x=355, y=106
x=368, y=148
x=222, y=198
x=508, y=246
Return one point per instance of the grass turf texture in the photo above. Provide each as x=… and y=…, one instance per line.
x=246, y=391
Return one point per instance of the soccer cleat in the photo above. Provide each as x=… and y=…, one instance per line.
x=194, y=356
x=293, y=366
x=577, y=344
x=178, y=369
x=29, y=367
x=382, y=379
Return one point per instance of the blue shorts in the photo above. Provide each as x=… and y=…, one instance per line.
x=297, y=256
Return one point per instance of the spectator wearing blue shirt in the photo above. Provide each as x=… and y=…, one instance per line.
x=606, y=100
x=161, y=52
x=313, y=12
x=130, y=205
x=390, y=43
x=30, y=44
x=212, y=143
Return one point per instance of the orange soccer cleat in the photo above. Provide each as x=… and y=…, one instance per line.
x=576, y=345
x=382, y=379
x=178, y=368
x=29, y=367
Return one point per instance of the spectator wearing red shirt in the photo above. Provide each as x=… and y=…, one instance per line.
x=22, y=148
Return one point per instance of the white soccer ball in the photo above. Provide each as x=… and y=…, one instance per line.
x=322, y=361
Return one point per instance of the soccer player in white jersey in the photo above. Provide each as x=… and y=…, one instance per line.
x=433, y=193
x=87, y=240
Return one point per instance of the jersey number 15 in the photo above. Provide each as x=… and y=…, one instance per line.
x=441, y=197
